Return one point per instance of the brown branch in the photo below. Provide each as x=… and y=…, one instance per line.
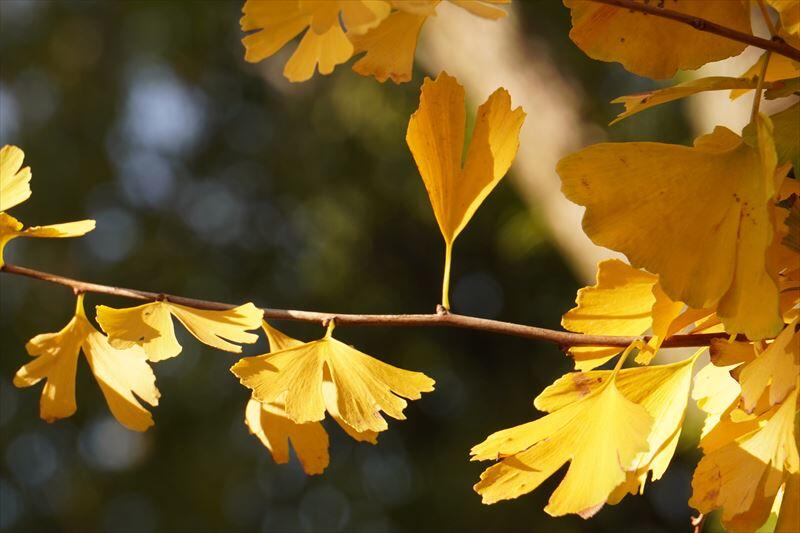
x=776, y=44
x=440, y=318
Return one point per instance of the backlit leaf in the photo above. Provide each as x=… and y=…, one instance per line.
x=654, y=46
x=603, y=433
x=436, y=138
x=364, y=385
x=635, y=103
x=15, y=185
x=698, y=217
x=150, y=325
x=124, y=375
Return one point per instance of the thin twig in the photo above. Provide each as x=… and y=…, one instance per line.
x=776, y=44
x=441, y=318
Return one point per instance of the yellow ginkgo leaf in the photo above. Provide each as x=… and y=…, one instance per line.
x=602, y=432
x=789, y=11
x=15, y=185
x=654, y=46
x=389, y=48
x=150, y=325
x=698, y=217
x=436, y=138
x=635, y=103
x=776, y=367
x=789, y=515
x=425, y=8
x=778, y=68
x=726, y=352
x=624, y=301
x=123, y=375
x=483, y=8
x=275, y=430
x=662, y=390
x=714, y=389
x=277, y=339
x=324, y=44
x=11, y=228
x=744, y=474
x=364, y=385
x=280, y=341
x=786, y=126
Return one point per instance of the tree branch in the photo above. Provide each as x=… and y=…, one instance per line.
x=440, y=318
x=776, y=44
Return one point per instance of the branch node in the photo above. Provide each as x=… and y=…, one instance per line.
x=441, y=310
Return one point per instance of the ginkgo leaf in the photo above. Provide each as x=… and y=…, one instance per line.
x=150, y=325
x=635, y=103
x=662, y=390
x=11, y=228
x=483, y=8
x=776, y=367
x=750, y=468
x=789, y=515
x=603, y=433
x=277, y=339
x=15, y=185
x=276, y=430
x=778, y=68
x=624, y=301
x=792, y=238
x=654, y=46
x=436, y=138
x=364, y=385
x=280, y=341
x=789, y=11
x=698, y=217
x=726, y=352
x=714, y=389
x=123, y=375
x=389, y=48
x=786, y=127
x=324, y=44
x=782, y=89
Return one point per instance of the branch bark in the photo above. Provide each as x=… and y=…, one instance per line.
x=440, y=318
x=776, y=44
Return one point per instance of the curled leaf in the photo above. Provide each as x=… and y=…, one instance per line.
x=150, y=325
x=11, y=228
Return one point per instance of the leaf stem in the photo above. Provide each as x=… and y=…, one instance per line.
x=448, y=259
x=757, y=96
x=562, y=338
x=775, y=45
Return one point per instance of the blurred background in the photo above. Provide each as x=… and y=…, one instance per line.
x=213, y=178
